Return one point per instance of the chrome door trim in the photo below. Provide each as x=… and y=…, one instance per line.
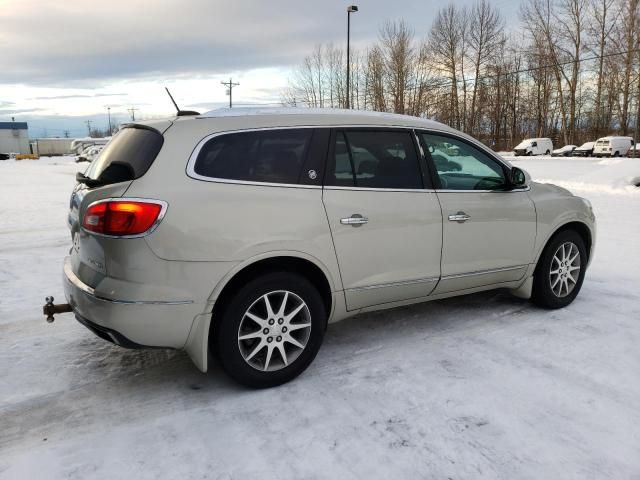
x=483, y=272
x=396, y=284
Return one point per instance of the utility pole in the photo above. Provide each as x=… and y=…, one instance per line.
x=132, y=112
x=89, y=122
x=230, y=86
x=109, y=113
x=350, y=9
x=66, y=134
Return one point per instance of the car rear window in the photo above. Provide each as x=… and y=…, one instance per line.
x=127, y=156
x=270, y=156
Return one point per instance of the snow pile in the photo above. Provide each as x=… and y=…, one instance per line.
x=615, y=176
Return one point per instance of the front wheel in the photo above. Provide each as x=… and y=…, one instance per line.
x=560, y=271
x=547, y=152
x=271, y=330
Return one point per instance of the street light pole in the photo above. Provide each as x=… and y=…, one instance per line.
x=350, y=9
x=109, y=113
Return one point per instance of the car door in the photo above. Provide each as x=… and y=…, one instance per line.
x=386, y=226
x=488, y=230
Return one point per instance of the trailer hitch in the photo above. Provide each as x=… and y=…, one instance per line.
x=49, y=309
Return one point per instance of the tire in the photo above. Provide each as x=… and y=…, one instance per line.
x=617, y=154
x=547, y=295
x=547, y=152
x=260, y=370
x=529, y=154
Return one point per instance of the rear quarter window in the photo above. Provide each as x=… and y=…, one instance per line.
x=127, y=156
x=268, y=156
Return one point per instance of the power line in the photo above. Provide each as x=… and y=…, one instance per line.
x=450, y=82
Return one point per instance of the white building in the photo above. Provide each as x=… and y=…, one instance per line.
x=14, y=137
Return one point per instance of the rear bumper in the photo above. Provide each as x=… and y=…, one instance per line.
x=132, y=324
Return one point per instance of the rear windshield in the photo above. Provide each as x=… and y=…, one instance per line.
x=127, y=156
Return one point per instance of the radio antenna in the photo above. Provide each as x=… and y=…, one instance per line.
x=181, y=113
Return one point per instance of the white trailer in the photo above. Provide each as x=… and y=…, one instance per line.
x=52, y=146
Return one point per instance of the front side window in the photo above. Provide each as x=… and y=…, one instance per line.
x=374, y=159
x=270, y=156
x=461, y=166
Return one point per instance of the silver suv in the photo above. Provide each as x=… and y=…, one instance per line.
x=245, y=232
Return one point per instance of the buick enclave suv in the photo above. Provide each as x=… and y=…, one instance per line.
x=245, y=232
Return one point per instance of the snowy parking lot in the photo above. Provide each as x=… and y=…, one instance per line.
x=483, y=386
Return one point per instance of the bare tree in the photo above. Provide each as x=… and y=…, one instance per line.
x=485, y=40
x=446, y=45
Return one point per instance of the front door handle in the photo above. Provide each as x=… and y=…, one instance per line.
x=459, y=217
x=354, y=220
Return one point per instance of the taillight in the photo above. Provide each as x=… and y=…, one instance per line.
x=122, y=217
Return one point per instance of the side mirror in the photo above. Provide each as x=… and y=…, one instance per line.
x=517, y=178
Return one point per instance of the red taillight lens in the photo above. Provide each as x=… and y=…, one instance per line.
x=121, y=217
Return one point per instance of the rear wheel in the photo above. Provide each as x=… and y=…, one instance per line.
x=271, y=330
x=547, y=152
x=560, y=271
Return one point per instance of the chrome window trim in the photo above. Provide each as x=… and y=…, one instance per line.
x=396, y=284
x=190, y=169
x=163, y=210
x=87, y=290
x=484, y=272
x=515, y=190
x=379, y=189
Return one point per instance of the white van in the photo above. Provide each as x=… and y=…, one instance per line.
x=534, y=146
x=612, y=146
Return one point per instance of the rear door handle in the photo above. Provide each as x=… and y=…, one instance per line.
x=354, y=220
x=459, y=217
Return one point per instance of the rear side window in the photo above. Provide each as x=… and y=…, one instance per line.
x=270, y=156
x=374, y=159
x=127, y=156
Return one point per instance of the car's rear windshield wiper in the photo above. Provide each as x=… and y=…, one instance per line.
x=89, y=182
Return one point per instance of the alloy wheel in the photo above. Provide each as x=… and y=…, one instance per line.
x=274, y=330
x=565, y=269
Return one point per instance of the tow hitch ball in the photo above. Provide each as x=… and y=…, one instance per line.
x=50, y=309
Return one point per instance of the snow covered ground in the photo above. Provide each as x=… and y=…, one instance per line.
x=486, y=386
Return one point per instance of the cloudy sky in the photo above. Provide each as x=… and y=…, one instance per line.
x=66, y=61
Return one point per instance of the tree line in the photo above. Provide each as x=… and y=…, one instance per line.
x=569, y=70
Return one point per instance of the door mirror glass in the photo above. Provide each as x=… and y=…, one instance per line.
x=518, y=178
